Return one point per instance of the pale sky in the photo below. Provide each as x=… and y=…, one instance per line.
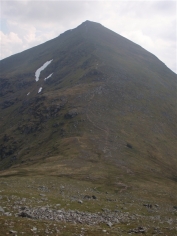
x=151, y=24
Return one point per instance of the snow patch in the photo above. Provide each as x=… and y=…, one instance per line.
x=48, y=77
x=28, y=93
x=37, y=73
x=40, y=89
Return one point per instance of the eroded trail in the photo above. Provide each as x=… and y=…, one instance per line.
x=124, y=186
x=106, y=130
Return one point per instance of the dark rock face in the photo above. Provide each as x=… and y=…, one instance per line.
x=8, y=148
x=5, y=87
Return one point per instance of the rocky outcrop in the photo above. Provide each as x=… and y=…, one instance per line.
x=46, y=213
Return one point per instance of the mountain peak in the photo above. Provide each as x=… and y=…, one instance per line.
x=89, y=23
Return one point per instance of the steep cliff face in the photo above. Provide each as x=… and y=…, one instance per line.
x=89, y=98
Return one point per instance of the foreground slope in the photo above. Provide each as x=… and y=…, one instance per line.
x=107, y=108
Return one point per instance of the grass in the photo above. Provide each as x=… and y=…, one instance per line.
x=20, y=186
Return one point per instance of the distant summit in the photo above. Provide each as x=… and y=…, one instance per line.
x=88, y=22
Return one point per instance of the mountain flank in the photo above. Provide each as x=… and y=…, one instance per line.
x=89, y=100
x=88, y=138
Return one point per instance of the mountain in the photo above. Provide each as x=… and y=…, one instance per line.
x=92, y=103
x=87, y=138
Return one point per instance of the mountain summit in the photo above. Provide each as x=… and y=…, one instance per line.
x=89, y=102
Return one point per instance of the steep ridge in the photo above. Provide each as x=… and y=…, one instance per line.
x=103, y=107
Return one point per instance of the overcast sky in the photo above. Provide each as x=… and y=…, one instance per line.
x=151, y=24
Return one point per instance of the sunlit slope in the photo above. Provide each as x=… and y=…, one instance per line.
x=109, y=107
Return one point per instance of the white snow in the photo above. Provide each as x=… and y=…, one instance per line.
x=28, y=93
x=48, y=76
x=37, y=73
x=40, y=89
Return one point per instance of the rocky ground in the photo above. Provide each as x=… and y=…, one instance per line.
x=61, y=206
